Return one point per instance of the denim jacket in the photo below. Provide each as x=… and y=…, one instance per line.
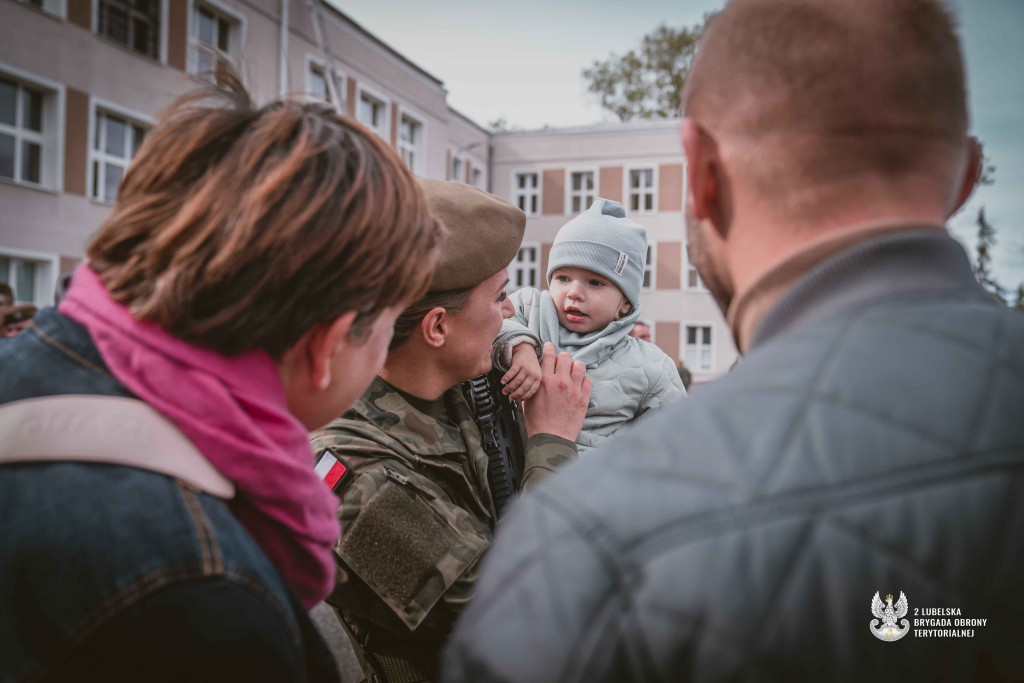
x=114, y=573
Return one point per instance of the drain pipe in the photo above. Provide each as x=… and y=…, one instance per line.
x=282, y=83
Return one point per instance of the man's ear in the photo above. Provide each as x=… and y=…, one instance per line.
x=434, y=327
x=971, y=175
x=324, y=343
x=702, y=173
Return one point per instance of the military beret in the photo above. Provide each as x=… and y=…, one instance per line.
x=19, y=314
x=485, y=233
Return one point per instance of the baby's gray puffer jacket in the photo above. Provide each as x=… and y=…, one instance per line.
x=635, y=378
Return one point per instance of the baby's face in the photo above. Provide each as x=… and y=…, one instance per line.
x=585, y=300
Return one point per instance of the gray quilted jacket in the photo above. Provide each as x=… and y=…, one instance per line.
x=871, y=441
x=636, y=377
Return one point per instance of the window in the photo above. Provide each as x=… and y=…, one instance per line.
x=698, y=347
x=372, y=111
x=649, y=268
x=641, y=190
x=523, y=271
x=410, y=142
x=51, y=6
x=693, y=280
x=115, y=141
x=455, y=172
x=581, y=191
x=526, y=193
x=318, y=84
x=478, y=178
x=214, y=33
x=132, y=23
x=23, y=145
x=29, y=278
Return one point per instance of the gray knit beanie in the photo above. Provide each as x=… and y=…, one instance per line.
x=603, y=240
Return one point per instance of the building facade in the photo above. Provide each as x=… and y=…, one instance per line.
x=82, y=81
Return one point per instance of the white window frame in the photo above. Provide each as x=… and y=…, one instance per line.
x=684, y=343
x=652, y=267
x=338, y=82
x=690, y=268
x=519, y=270
x=456, y=157
x=236, y=33
x=45, y=278
x=51, y=153
x=627, y=190
x=583, y=193
x=384, y=129
x=57, y=8
x=515, y=193
x=419, y=166
x=161, y=48
x=96, y=107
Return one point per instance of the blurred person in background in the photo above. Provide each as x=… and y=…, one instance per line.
x=242, y=292
x=870, y=443
x=17, y=318
x=641, y=330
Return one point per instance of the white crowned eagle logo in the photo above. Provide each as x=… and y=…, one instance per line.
x=888, y=615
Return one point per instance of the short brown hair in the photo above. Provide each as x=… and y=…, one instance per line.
x=240, y=228
x=873, y=84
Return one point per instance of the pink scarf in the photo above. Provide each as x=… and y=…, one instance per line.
x=235, y=411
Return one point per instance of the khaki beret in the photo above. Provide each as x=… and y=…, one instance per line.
x=485, y=233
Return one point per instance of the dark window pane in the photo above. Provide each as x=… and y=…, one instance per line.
x=634, y=179
x=138, y=135
x=5, y=269
x=522, y=202
x=707, y=335
x=533, y=278
x=691, y=335
x=647, y=279
x=96, y=179
x=222, y=35
x=8, y=92
x=25, y=280
x=648, y=202
x=32, y=116
x=30, y=153
x=114, y=23
x=6, y=156
x=648, y=256
x=207, y=27
x=634, y=202
x=112, y=178
x=533, y=204
x=142, y=38
x=590, y=181
x=116, y=129
x=577, y=179
x=691, y=280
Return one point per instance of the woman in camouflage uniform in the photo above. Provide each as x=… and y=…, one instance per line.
x=416, y=510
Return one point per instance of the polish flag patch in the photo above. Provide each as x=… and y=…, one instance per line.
x=331, y=470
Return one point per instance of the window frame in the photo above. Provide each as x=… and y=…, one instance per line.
x=456, y=157
x=313, y=62
x=627, y=190
x=236, y=37
x=54, y=8
x=532, y=266
x=700, y=286
x=96, y=107
x=51, y=161
x=569, y=191
x=384, y=131
x=684, y=343
x=419, y=166
x=45, y=283
x=538, y=190
x=161, y=34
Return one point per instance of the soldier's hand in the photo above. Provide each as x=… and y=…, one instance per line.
x=523, y=377
x=560, y=403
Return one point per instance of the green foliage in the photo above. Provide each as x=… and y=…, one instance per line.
x=1018, y=302
x=646, y=83
x=983, y=259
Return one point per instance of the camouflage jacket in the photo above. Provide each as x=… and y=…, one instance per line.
x=416, y=511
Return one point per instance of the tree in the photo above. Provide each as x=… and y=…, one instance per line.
x=986, y=240
x=1019, y=301
x=646, y=83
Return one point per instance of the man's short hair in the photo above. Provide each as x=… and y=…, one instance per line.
x=240, y=227
x=838, y=72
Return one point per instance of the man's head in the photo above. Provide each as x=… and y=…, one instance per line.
x=641, y=330
x=804, y=116
x=286, y=229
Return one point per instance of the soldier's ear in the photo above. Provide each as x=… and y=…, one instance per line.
x=434, y=327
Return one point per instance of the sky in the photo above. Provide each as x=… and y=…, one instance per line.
x=522, y=60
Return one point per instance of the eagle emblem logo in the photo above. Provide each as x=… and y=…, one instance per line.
x=886, y=614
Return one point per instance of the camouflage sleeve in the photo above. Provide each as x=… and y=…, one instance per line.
x=544, y=454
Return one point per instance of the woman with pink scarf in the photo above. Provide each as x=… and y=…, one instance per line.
x=244, y=289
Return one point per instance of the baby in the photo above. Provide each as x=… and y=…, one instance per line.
x=595, y=273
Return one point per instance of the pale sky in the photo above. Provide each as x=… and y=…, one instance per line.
x=522, y=60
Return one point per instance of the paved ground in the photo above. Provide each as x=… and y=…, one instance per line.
x=327, y=621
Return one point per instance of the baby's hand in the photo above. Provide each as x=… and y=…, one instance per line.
x=523, y=377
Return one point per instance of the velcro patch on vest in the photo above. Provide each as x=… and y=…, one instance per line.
x=331, y=470
x=621, y=265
